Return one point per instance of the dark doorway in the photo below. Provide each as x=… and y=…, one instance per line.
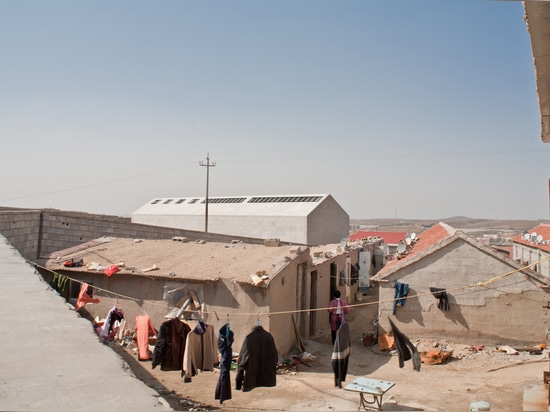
x=313, y=303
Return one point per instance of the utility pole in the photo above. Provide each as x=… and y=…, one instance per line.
x=208, y=165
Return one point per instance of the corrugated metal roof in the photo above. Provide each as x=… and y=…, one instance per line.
x=178, y=259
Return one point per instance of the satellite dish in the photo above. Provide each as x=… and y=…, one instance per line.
x=408, y=241
x=401, y=247
x=526, y=236
x=539, y=238
x=413, y=236
x=533, y=236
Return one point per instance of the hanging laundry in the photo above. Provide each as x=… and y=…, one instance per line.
x=62, y=284
x=341, y=353
x=225, y=342
x=170, y=346
x=200, y=351
x=405, y=349
x=442, y=298
x=109, y=328
x=84, y=298
x=257, y=362
x=401, y=292
x=144, y=329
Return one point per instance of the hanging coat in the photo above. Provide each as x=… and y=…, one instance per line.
x=257, y=363
x=170, y=346
x=340, y=354
x=225, y=342
x=200, y=351
x=405, y=348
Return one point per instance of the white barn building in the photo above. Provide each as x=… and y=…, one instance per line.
x=301, y=219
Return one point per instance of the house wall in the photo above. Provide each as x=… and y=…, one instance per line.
x=526, y=255
x=506, y=311
x=328, y=223
x=285, y=300
x=37, y=233
x=245, y=304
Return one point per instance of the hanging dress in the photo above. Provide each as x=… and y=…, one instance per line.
x=144, y=329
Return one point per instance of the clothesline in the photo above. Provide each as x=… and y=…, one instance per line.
x=296, y=311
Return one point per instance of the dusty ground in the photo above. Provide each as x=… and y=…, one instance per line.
x=454, y=385
x=450, y=386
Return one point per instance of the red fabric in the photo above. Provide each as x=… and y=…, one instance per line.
x=111, y=270
x=144, y=329
x=84, y=298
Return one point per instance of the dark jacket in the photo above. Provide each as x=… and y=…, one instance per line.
x=257, y=361
x=225, y=342
x=170, y=345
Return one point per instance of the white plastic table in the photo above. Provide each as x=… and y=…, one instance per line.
x=368, y=386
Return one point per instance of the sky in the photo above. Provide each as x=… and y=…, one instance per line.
x=422, y=109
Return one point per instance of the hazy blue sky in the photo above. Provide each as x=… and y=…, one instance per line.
x=414, y=109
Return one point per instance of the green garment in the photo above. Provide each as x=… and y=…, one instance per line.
x=62, y=284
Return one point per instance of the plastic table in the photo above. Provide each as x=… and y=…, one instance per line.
x=373, y=387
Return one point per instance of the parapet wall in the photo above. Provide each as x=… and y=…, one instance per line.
x=36, y=233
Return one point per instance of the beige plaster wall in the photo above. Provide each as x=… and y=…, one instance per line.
x=507, y=310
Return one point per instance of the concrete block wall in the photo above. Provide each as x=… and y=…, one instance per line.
x=22, y=229
x=38, y=233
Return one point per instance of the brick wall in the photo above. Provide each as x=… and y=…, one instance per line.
x=37, y=233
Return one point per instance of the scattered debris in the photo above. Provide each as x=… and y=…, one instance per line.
x=507, y=349
x=154, y=267
x=435, y=357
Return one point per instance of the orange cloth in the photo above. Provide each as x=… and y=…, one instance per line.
x=83, y=297
x=144, y=329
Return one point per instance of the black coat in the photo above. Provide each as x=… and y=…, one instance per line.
x=257, y=361
x=170, y=345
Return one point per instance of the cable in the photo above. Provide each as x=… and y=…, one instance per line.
x=296, y=311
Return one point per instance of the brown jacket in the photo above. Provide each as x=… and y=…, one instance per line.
x=170, y=346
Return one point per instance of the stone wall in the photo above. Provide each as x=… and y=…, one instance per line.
x=36, y=233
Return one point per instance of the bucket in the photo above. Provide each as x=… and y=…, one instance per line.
x=367, y=340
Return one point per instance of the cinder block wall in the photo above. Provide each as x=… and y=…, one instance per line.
x=37, y=233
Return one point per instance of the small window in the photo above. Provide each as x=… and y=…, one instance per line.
x=179, y=201
x=168, y=201
x=154, y=202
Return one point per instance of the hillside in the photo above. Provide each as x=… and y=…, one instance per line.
x=466, y=224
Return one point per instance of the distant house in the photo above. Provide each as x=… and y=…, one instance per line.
x=392, y=239
x=533, y=248
x=490, y=298
x=300, y=219
x=236, y=282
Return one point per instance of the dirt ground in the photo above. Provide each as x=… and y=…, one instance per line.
x=464, y=378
